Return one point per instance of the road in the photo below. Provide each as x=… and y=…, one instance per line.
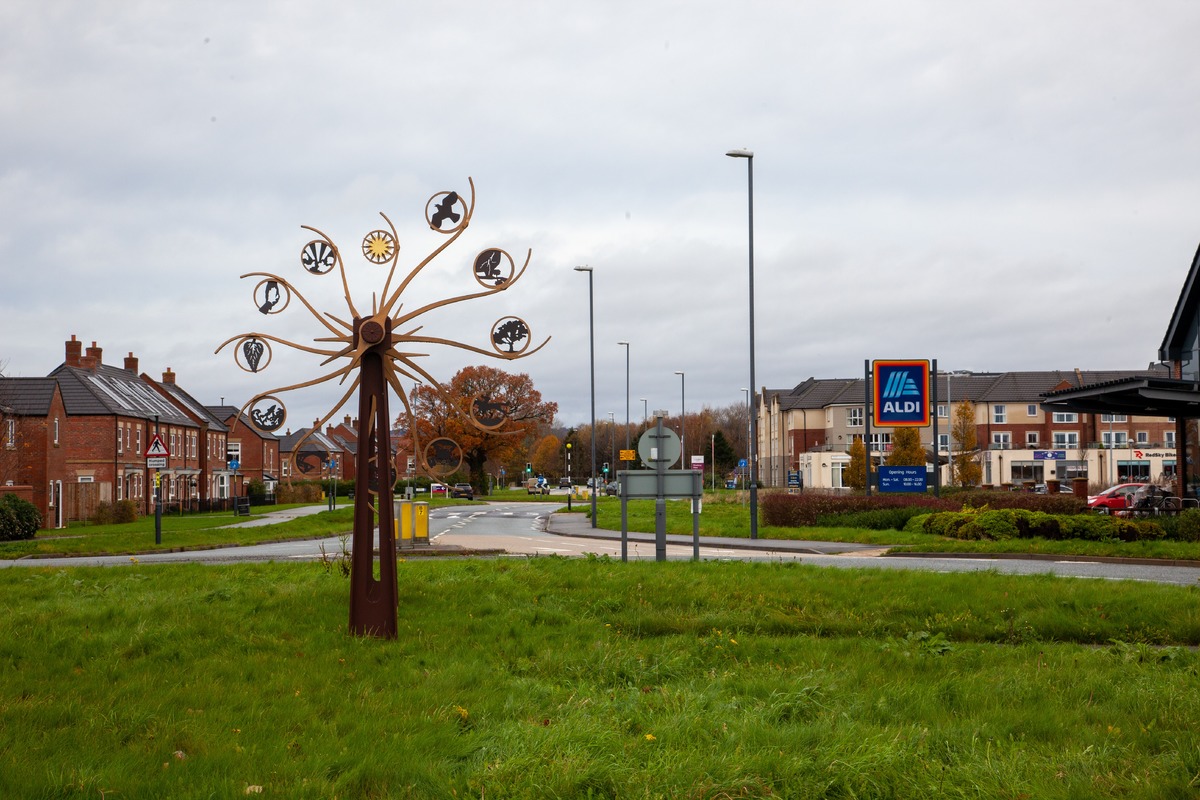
x=530, y=529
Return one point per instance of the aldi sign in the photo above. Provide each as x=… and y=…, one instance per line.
x=900, y=393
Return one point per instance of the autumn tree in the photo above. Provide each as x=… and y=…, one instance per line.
x=906, y=449
x=855, y=475
x=548, y=456
x=964, y=447
x=436, y=414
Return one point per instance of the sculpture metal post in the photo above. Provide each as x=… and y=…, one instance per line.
x=377, y=352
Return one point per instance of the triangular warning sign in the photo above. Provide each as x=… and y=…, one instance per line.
x=156, y=448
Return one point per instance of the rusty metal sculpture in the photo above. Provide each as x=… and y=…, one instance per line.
x=376, y=350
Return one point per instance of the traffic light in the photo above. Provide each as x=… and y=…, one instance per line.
x=529, y=466
x=605, y=467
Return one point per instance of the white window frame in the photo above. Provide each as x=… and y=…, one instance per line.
x=854, y=417
x=1003, y=439
x=1031, y=410
x=10, y=434
x=1065, y=440
x=999, y=415
x=1065, y=418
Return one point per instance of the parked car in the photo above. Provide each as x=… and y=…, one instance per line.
x=1114, y=498
x=612, y=489
x=564, y=483
x=463, y=490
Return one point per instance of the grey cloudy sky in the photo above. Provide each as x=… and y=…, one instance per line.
x=998, y=185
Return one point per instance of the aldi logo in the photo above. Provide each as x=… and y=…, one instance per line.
x=900, y=393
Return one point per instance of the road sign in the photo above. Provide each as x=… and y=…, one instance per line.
x=900, y=393
x=628, y=455
x=655, y=450
x=157, y=448
x=156, y=462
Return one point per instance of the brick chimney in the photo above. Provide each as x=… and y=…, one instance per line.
x=131, y=363
x=92, y=357
x=168, y=376
x=74, y=351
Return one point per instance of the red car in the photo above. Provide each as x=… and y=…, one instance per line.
x=1115, y=498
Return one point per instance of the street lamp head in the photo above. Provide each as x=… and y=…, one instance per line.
x=740, y=154
x=583, y=269
x=626, y=344
x=678, y=372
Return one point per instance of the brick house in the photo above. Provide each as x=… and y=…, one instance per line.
x=32, y=455
x=207, y=479
x=111, y=416
x=257, y=453
x=305, y=454
x=809, y=428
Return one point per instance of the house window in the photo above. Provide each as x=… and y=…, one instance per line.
x=1169, y=438
x=1143, y=437
x=881, y=442
x=1114, y=438
x=56, y=431
x=1064, y=440
x=1068, y=417
x=1001, y=441
x=999, y=415
x=1114, y=418
x=854, y=417
x=1031, y=438
x=87, y=479
x=1031, y=410
x=10, y=434
x=943, y=441
x=942, y=411
x=120, y=444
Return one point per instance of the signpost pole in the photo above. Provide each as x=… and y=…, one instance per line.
x=157, y=507
x=660, y=501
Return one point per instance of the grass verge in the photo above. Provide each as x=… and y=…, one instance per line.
x=577, y=678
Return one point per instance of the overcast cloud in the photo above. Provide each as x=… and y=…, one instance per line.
x=1009, y=185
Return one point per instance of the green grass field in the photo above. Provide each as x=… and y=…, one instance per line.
x=591, y=678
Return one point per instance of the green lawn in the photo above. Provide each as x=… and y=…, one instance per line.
x=722, y=516
x=590, y=678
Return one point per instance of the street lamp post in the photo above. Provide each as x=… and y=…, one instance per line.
x=645, y=413
x=749, y=156
x=626, y=346
x=683, y=458
x=592, y=350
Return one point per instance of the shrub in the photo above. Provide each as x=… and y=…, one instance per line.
x=19, y=519
x=1187, y=526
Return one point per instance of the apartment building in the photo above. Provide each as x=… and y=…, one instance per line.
x=805, y=433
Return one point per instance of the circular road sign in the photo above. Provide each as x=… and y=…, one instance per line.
x=655, y=449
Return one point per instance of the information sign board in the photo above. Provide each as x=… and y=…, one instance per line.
x=902, y=479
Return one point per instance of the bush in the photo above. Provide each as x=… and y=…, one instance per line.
x=1187, y=526
x=19, y=519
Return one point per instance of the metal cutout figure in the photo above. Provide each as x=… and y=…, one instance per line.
x=374, y=349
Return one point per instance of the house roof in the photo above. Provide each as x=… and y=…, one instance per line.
x=112, y=390
x=26, y=397
x=195, y=407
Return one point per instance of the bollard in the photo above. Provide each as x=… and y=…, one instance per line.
x=420, y=522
